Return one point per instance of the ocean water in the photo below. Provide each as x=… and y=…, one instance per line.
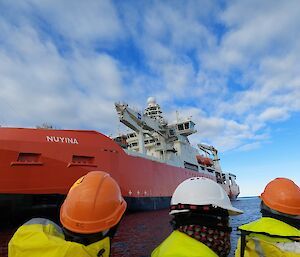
x=139, y=233
x=251, y=208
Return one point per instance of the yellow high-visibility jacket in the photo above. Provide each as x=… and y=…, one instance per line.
x=268, y=237
x=43, y=238
x=179, y=244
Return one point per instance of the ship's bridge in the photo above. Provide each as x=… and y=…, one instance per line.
x=185, y=128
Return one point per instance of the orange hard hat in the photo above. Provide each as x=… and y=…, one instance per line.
x=283, y=195
x=94, y=204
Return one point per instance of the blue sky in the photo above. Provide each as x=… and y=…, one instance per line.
x=231, y=65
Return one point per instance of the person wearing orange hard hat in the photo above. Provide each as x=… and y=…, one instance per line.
x=89, y=216
x=277, y=232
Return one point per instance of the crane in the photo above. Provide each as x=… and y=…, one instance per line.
x=209, y=149
x=139, y=123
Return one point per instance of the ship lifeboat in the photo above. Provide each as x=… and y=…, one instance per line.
x=204, y=160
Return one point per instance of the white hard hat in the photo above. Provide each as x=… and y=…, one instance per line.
x=202, y=191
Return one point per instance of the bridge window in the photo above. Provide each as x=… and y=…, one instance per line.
x=171, y=132
x=180, y=126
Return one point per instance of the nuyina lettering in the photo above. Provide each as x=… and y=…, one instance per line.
x=66, y=140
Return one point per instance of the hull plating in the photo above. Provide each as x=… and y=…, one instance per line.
x=40, y=161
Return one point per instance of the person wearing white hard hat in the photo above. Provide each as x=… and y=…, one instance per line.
x=200, y=209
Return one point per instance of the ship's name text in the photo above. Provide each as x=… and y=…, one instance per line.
x=66, y=140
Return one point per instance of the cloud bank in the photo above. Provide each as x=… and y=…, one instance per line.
x=234, y=66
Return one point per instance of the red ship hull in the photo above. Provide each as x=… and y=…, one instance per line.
x=37, y=162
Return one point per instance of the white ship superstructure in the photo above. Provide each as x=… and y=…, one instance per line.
x=155, y=139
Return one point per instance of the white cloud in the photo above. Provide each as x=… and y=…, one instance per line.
x=260, y=44
x=178, y=78
x=257, y=29
x=251, y=146
x=97, y=75
x=178, y=24
x=39, y=85
x=84, y=22
x=273, y=114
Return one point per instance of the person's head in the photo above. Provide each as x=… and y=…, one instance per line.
x=281, y=200
x=201, y=208
x=92, y=209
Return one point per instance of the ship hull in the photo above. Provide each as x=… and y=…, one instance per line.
x=41, y=162
x=147, y=203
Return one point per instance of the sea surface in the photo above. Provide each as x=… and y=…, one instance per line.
x=139, y=233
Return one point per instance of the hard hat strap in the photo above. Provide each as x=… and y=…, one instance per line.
x=85, y=239
x=209, y=209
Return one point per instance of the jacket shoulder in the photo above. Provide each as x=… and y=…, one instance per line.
x=272, y=227
x=181, y=245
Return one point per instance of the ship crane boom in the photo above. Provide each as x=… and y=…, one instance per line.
x=139, y=123
x=209, y=149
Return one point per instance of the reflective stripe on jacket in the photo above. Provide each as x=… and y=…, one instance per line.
x=43, y=238
x=268, y=237
x=179, y=244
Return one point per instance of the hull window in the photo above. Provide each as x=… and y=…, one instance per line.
x=190, y=166
x=28, y=159
x=79, y=160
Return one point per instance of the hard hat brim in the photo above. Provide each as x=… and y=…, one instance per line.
x=232, y=211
